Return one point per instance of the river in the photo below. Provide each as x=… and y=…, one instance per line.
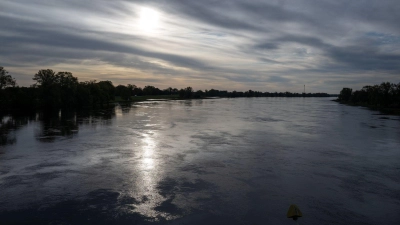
x=210, y=161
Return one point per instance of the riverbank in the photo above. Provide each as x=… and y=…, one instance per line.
x=383, y=110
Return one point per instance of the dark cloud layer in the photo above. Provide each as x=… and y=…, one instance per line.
x=280, y=44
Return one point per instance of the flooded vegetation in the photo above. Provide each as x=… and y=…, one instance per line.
x=384, y=97
x=207, y=161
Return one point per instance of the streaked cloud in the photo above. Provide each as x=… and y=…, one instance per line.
x=259, y=45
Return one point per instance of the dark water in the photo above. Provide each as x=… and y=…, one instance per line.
x=222, y=161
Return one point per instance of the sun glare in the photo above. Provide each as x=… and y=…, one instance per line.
x=148, y=19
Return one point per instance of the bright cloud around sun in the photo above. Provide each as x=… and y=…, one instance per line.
x=149, y=19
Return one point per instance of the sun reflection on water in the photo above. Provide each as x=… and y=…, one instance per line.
x=148, y=152
x=148, y=171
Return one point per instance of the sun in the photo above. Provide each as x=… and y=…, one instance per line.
x=148, y=19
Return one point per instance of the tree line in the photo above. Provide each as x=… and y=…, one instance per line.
x=385, y=95
x=53, y=90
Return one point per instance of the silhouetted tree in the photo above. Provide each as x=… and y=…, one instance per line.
x=45, y=77
x=48, y=83
x=84, y=96
x=68, y=87
x=106, y=92
x=199, y=94
x=345, y=94
x=186, y=93
x=169, y=90
x=123, y=91
x=5, y=79
x=151, y=90
x=137, y=91
x=131, y=88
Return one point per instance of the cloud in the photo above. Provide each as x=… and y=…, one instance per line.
x=276, y=79
x=234, y=43
x=267, y=45
x=269, y=61
x=40, y=41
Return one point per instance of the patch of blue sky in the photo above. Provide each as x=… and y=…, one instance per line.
x=383, y=38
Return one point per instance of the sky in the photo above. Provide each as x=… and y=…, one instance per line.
x=227, y=45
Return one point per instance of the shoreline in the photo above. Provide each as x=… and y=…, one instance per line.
x=385, y=111
x=118, y=100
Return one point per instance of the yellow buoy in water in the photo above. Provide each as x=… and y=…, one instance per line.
x=294, y=212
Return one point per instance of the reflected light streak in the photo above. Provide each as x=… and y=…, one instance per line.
x=148, y=179
x=148, y=152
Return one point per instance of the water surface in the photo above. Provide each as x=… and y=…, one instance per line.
x=215, y=161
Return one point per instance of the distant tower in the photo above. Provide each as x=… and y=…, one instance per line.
x=304, y=89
